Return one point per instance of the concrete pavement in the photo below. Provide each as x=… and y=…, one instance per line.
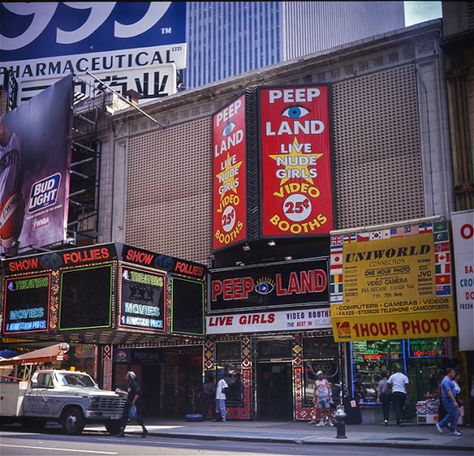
x=407, y=436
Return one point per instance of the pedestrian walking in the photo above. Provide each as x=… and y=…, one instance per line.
x=451, y=405
x=322, y=399
x=383, y=395
x=133, y=401
x=399, y=383
x=221, y=397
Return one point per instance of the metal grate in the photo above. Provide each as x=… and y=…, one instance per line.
x=377, y=155
x=169, y=191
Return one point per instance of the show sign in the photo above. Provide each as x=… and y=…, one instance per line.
x=229, y=168
x=64, y=258
x=463, y=239
x=44, y=40
x=272, y=286
x=296, y=182
x=289, y=320
x=34, y=170
x=163, y=262
x=142, y=299
x=26, y=304
x=395, y=286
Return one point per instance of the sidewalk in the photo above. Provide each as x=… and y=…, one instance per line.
x=408, y=436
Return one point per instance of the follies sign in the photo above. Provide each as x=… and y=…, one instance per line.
x=229, y=194
x=392, y=284
x=296, y=181
x=270, y=287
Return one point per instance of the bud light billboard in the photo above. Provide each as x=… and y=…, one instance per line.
x=34, y=178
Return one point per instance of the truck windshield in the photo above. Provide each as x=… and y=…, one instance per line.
x=75, y=379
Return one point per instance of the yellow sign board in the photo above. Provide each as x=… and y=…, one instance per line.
x=394, y=288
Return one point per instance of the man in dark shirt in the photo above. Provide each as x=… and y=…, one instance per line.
x=133, y=399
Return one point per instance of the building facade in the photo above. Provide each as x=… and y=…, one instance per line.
x=227, y=39
x=391, y=163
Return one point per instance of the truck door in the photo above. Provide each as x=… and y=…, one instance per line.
x=38, y=398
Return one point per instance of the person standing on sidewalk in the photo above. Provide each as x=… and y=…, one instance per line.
x=448, y=396
x=383, y=393
x=322, y=392
x=221, y=396
x=399, y=383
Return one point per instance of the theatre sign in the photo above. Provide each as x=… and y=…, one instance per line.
x=392, y=284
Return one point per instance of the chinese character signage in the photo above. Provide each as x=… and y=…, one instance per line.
x=463, y=239
x=296, y=181
x=40, y=41
x=34, y=170
x=392, y=284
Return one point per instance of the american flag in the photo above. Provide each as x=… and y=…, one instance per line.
x=397, y=232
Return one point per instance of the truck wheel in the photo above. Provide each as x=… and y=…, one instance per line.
x=73, y=421
x=113, y=427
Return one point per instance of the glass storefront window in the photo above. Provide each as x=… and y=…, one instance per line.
x=369, y=360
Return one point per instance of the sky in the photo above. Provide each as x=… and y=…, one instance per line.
x=416, y=12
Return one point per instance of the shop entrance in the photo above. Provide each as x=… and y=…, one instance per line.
x=151, y=390
x=274, y=392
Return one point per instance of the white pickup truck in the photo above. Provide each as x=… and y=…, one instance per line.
x=68, y=397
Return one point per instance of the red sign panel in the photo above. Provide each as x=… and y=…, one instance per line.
x=229, y=195
x=295, y=158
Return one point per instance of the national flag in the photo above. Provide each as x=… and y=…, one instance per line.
x=443, y=268
x=440, y=226
x=363, y=237
x=375, y=235
x=444, y=279
x=425, y=228
x=336, y=259
x=336, y=298
x=441, y=247
x=336, y=278
x=411, y=229
x=350, y=237
x=442, y=257
x=443, y=290
x=336, y=269
x=440, y=236
x=397, y=232
x=336, y=288
x=385, y=234
x=337, y=239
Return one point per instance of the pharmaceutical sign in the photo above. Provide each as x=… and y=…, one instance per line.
x=45, y=40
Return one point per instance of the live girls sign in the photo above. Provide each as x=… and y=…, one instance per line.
x=295, y=161
x=229, y=216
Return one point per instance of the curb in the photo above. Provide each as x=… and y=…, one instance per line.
x=347, y=442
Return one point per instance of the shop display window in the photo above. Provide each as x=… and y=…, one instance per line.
x=369, y=360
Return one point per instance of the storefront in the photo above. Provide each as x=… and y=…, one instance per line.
x=423, y=361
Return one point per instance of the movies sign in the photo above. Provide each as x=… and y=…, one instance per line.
x=229, y=167
x=295, y=161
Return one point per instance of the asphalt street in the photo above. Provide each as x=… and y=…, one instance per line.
x=52, y=442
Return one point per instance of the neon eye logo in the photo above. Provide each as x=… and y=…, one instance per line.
x=295, y=112
x=228, y=129
x=264, y=286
